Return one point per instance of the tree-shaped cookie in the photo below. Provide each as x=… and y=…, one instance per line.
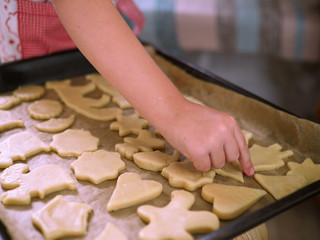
x=8, y=120
x=29, y=93
x=132, y=190
x=280, y=186
x=143, y=143
x=307, y=169
x=230, y=201
x=98, y=166
x=62, y=218
x=90, y=107
x=20, y=146
x=185, y=175
x=45, y=109
x=176, y=221
x=106, y=87
x=74, y=142
x=155, y=160
x=267, y=158
x=111, y=232
x=39, y=182
x=7, y=102
x=128, y=124
x=55, y=125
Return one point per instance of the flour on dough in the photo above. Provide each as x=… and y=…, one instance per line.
x=132, y=190
x=143, y=143
x=39, y=182
x=8, y=120
x=45, y=109
x=128, y=124
x=29, y=93
x=62, y=218
x=230, y=201
x=111, y=232
x=20, y=146
x=175, y=220
x=98, y=166
x=185, y=175
x=55, y=125
x=155, y=160
x=74, y=142
x=7, y=102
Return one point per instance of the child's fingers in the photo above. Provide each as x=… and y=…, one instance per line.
x=217, y=158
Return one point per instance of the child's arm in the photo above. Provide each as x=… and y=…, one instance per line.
x=207, y=137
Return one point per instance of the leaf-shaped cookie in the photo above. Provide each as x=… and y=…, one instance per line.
x=230, y=201
x=132, y=190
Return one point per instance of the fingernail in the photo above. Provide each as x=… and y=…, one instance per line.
x=251, y=171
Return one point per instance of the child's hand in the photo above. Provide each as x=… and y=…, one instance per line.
x=207, y=137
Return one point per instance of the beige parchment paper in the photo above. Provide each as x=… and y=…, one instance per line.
x=267, y=124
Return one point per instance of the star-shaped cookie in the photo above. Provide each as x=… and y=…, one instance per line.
x=176, y=221
x=128, y=124
x=132, y=190
x=307, y=169
x=98, y=166
x=185, y=175
x=143, y=143
x=62, y=218
x=230, y=201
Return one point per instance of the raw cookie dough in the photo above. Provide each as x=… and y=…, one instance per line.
x=280, y=186
x=39, y=182
x=176, y=221
x=267, y=158
x=55, y=125
x=61, y=218
x=156, y=160
x=111, y=232
x=8, y=120
x=45, y=109
x=74, y=142
x=132, y=190
x=7, y=102
x=185, y=175
x=88, y=107
x=130, y=124
x=20, y=146
x=308, y=169
x=231, y=171
x=29, y=93
x=98, y=166
x=106, y=87
x=143, y=143
x=230, y=201
x=247, y=135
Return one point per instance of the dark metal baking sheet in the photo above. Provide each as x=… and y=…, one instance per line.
x=72, y=64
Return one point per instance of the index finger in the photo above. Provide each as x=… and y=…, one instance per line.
x=244, y=158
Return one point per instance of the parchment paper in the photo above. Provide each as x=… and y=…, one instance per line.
x=267, y=124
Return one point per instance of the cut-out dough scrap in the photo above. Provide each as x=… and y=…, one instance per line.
x=132, y=190
x=307, y=169
x=156, y=160
x=111, y=232
x=62, y=218
x=130, y=124
x=98, y=166
x=20, y=146
x=230, y=201
x=280, y=186
x=8, y=120
x=45, y=109
x=74, y=142
x=106, y=87
x=7, y=102
x=29, y=93
x=247, y=135
x=185, y=175
x=143, y=143
x=88, y=107
x=230, y=171
x=39, y=182
x=267, y=158
x=176, y=221
x=55, y=125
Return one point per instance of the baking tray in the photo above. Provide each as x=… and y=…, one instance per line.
x=73, y=64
